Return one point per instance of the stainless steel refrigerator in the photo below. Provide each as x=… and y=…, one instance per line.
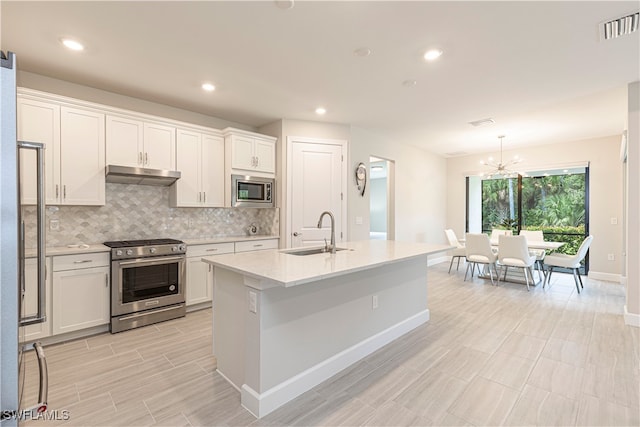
x=14, y=351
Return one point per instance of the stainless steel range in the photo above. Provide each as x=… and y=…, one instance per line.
x=147, y=282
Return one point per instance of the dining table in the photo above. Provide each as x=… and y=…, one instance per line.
x=515, y=274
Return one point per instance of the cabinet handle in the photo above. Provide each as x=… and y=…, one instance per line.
x=82, y=261
x=106, y=280
x=257, y=246
x=199, y=196
x=57, y=191
x=146, y=158
x=64, y=192
x=204, y=196
x=257, y=161
x=140, y=157
x=212, y=250
x=209, y=267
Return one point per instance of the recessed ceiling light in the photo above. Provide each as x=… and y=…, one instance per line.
x=409, y=83
x=72, y=44
x=208, y=87
x=362, y=52
x=321, y=110
x=432, y=54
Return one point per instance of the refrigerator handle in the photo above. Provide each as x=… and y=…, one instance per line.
x=43, y=392
x=41, y=316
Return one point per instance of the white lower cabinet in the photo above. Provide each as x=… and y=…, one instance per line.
x=30, y=307
x=80, y=292
x=199, y=274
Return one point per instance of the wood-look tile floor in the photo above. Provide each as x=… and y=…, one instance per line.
x=490, y=355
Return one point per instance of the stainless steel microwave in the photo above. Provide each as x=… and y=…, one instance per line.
x=252, y=192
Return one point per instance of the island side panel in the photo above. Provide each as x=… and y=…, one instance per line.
x=229, y=328
x=303, y=326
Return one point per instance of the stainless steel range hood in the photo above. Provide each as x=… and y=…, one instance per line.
x=142, y=176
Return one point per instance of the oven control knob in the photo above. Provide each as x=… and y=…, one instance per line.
x=152, y=250
x=174, y=249
x=119, y=252
x=129, y=252
x=172, y=288
x=182, y=248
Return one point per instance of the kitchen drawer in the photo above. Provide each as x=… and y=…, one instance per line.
x=73, y=262
x=256, y=245
x=210, y=249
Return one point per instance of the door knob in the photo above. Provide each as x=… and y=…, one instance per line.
x=296, y=234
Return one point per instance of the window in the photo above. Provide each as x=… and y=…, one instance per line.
x=554, y=201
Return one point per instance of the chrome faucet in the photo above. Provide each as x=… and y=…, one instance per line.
x=332, y=246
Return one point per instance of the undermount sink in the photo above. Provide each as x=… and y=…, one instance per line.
x=310, y=251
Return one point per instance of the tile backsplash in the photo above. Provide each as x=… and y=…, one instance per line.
x=143, y=212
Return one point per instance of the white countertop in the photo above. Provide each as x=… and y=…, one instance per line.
x=84, y=249
x=226, y=239
x=287, y=270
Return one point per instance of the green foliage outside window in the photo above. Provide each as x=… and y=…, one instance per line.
x=554, y=204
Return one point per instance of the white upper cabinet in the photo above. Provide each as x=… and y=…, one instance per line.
x=74, y=152
x=159, y=146
x=82, y=157
x=132, y=142
x=249, y=152
x=200, y=160
x=39, y=121
x=124, y=141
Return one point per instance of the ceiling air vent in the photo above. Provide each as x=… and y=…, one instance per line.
x=619, y=26
x=482, y=122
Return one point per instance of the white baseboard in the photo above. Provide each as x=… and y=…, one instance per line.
x=261, y=404
x=607, y=277
x=631, y=319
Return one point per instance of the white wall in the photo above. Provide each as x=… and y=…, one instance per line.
x=378, y=210
x=420, y=188
x=605, y=190
x=86, y=93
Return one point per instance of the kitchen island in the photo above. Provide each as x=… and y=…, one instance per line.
x=285, y=322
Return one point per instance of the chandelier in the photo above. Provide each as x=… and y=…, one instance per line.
x=500, y=169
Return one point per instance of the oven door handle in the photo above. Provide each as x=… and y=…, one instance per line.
x=152, y=261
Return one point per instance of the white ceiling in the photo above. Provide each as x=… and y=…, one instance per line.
x=538, y=68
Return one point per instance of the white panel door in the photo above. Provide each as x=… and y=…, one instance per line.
x=212, y=172
x=39, y=122
x=316, y=187
x=82, y=157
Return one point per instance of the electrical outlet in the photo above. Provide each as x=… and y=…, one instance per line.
x=190, y=223
x=374, y=302
x=54, y=224
x=358, y=220
x=611, y=257
x=614, y=220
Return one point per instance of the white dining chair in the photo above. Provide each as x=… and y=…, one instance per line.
x=496, y=233
x=536, y=236
x=478, y=251
x=513, y=252
x=458, y=250
x=568, y=261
